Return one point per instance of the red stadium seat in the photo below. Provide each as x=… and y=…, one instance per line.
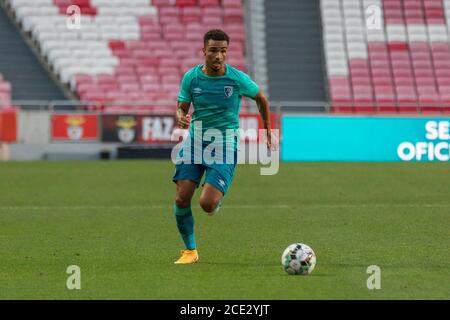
x=377, y=47
x=186, y=3
x=213, y=22
x=403, y=81
x=440, y=47
x=232, y=3
x=363, y=99
x=233, y=15
x=147, y=20
x=191, y=15
x=382, y=81
x=362, y=80
x=81, y=3
x=407, y=103
x=169, y=12
x=106, y=79
x=151, y=87
x=162, y=3
x=116, y=44
x=88, y=11
x=400, y=46
x=84, y=78
x=171, y=79
x=208, y=3
x=213, y=11
x=419, y=47
x=445, y=99
x=430, y=103
x=358, y=63
x=359, y=72
x=386, y=102
x=342, y=105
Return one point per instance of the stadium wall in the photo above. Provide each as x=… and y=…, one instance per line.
x=46, y=135
x=34, y=141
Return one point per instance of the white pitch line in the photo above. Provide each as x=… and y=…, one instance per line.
x=268, y=206
x=75, y=208
x=344, y=205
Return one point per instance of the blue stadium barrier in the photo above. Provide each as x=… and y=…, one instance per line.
x=323, y=138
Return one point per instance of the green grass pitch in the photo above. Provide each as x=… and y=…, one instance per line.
x=114, y=220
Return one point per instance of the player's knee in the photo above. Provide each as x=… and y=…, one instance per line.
x=207, y=205
x=182, y=202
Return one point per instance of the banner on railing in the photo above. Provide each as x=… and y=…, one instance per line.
x=134, y=128
x=157, y=129
x=143, y=129
x=8, y=125
x=74, y=127
x=366, y=139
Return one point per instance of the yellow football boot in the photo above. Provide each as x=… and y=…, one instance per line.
x=187, y=257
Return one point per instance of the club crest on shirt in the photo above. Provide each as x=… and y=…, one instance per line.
x=228, y=91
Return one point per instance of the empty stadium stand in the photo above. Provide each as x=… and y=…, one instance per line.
x=294, y=51
x=128, y=50
x=389, y=56
x=21, y=68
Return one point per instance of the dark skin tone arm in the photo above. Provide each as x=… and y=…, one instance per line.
x=264, y=111
x=183, y=119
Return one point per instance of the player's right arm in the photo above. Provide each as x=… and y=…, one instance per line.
x=184, y=102
x=183, y=119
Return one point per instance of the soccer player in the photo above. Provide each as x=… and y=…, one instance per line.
x=215, y=89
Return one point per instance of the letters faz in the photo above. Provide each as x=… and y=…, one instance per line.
x=157, y=128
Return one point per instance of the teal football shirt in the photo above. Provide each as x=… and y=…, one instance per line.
x=216, y=100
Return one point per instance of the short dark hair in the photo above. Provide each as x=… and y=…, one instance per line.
x=216, y=34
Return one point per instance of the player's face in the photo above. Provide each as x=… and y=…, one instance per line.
x=215, y=54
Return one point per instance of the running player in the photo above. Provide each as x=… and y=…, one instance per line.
x=215, y=89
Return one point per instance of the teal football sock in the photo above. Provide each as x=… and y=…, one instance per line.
x=185, y=224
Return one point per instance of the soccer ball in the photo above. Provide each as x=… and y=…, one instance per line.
x=298, y=258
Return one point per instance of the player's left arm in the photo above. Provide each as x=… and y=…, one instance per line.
x=264, y=111
x=250, y=89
